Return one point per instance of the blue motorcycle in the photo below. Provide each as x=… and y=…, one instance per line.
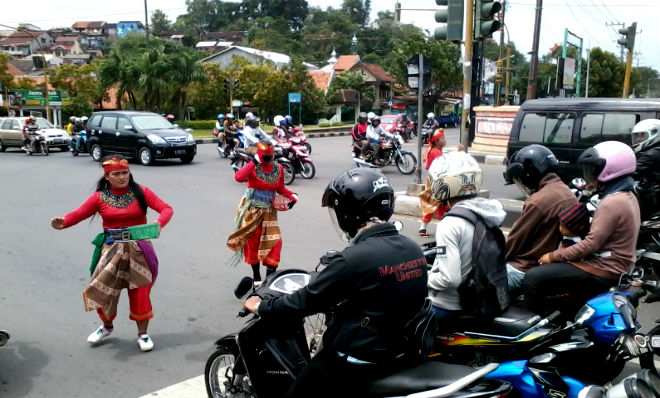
x=78, y=143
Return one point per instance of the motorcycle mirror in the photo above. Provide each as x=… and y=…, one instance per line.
x=579, y=183
x=398, y=225
x=243, y=288
x=637, y=273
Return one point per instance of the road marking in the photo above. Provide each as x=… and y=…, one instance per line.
x=191, y=388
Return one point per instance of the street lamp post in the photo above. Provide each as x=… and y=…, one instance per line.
x=43, y=56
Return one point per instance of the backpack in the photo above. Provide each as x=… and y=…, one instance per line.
x=485, y=291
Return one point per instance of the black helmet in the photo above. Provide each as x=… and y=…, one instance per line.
x=528, y=165
x=362, y=117
x=355, y=197
x=253, y=122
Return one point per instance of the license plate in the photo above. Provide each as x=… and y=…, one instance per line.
x=179, y=151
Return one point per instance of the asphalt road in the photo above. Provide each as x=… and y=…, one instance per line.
x=45, y=271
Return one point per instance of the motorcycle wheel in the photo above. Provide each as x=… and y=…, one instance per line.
x=75, y=152
x=309, y=147
x=289, y=173
x=239, y=164
x=651, y=360
x=406, y=163
x=314, y=329
x=308, y=170
x=44, y=147
x=219, y=373
x=222, y=151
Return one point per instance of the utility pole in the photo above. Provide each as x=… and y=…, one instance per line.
x=534, y=58
x=499, y=61
x=467, y=71
x=146, y=20
x=586, y=89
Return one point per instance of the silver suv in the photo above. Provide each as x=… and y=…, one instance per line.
x=11, y=133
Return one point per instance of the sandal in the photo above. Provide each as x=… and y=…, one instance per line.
x=422, y=232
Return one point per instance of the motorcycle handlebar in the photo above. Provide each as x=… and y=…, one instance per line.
x=243, y=313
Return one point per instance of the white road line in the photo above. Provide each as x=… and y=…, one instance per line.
x=191, y=388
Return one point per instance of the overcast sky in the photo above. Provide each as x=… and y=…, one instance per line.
x=584, y=18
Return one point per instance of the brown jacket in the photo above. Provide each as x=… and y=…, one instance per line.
x=612, y=238
x=536, y=232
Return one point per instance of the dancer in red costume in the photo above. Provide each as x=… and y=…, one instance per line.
x=122, y=260
x=257, y=236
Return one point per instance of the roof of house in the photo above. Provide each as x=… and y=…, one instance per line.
x=233, y=35
x=16, y=41
x=13, y=70
x=378, y=72
x=277, y=58
x=88, y=25
x=67, y=46
x=321, y=79
x=66, y=39
x=345, y=62
x=24, y=65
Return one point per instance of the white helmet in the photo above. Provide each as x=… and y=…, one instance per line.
x=249, y=115
x=370, y=116
x=431, y=115
x=455, y=175
x=277, y=119
x=645, y=134
x=84, y=118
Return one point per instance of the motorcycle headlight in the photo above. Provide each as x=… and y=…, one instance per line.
x=584, y=314
x=191, y=139
x=156, y=139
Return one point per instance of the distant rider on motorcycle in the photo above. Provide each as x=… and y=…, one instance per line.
x=646, y=142
x=372, y=288
x=254, y=134
x=76, y=140
x=430, y=122
x=29, y=134
x=376, y=135
x=570, y=276
x=359, y=134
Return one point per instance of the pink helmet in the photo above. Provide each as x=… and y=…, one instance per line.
x=608, y=160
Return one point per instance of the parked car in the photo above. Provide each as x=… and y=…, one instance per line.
x=11, y=133
x=568, y=126
x=146, y=136
x=448, y=119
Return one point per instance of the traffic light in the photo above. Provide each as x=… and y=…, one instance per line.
x=486, y=24
x=628, y=40
x=451, y=17
x=235, y=82
x=225, y=86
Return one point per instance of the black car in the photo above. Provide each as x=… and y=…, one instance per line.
x=145, y=136
x=568, y=126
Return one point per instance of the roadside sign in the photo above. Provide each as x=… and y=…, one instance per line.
x=390, y=103
x=36, y=97
x=236, y=103
x=295, y=97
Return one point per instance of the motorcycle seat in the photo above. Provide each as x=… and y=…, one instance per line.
x=510, y=323
x=425, y=376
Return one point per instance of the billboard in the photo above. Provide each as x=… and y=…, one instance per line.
x=568, y=81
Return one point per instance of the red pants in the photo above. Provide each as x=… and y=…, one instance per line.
x=139, y=302
x=251, y=250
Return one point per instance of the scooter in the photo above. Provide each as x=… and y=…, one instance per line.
x=391, y=152
x=300, y=134
x=241, y=158
x=260, y=361
x=79, y=143
x=38, y=144
x=299, y=157
x=225, y=150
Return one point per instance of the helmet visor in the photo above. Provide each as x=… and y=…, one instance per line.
x=523, y=188
x=589, y=171
x=335, y=223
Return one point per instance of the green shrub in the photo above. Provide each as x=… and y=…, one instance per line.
x=324, y=124
x=196, y=124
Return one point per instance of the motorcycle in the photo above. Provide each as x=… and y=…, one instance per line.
x=300, y=134
x=241, y=158
x=79, y=143
x=38, y=144
x=225, y=150
x=260, y=361
x=605, y=331
x=391, y=152
x=299, y=157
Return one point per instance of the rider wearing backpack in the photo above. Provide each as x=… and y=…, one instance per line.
x=469, y=242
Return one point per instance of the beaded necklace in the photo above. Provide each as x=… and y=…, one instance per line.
x=271, y=177
x=119, y=201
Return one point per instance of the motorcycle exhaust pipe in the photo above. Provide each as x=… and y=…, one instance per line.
x=361, y=162
x=651, y=379
x=628, y=388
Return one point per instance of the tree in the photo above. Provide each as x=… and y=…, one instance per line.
x=159, y=22
x=605, y=75
x=357, y=10
x=645, y=82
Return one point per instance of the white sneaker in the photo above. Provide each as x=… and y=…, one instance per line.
x=145, y=342
x=98, y=335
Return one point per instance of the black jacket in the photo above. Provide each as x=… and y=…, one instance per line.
x=373, y=287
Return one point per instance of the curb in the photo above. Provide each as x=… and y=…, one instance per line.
x=409, y=205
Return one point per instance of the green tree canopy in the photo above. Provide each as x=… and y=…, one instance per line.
x=160, y=22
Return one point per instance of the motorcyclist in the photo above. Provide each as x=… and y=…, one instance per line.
x=536, y=232
x=289, y=125
x=170, y=118
x=219, y=130
x=29, y=134
x=280, y=131
x=230, y=131
x=69, y=127
x=457, y=179
x=370, y=116
x=569, y=276
x=84, y=122
x=376, y=135
x=373, y=287
x=229, y=123
x=254, y=134
x=359, y=133
x=646, y=142
x=430, y=122
x=76, y=140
